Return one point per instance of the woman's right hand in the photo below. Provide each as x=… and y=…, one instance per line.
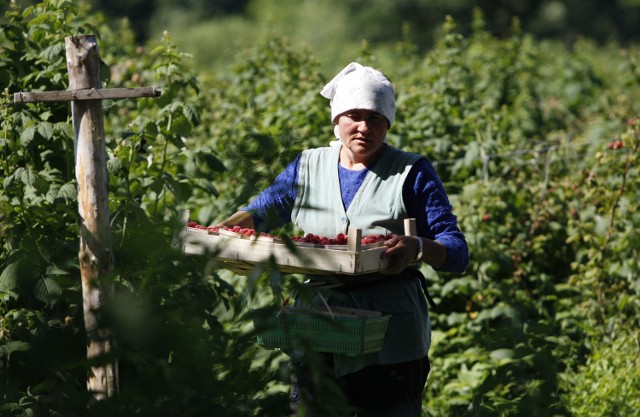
x=401, y=250
x=239, y=218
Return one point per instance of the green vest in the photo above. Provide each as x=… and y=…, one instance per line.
x=377, y=207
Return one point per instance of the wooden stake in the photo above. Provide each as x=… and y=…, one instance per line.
x=95, y=255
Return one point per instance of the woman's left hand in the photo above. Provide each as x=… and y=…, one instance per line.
x=401, y=251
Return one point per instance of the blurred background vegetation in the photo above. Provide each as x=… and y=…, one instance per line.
x=333, y=30
x=530, y=111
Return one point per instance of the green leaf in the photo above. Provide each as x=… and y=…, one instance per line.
x=153, y=184
x=502, y=354
x=171, y=107
x=458, y=284
x=53, y=52
x=10, y=276
x=7, y=349
x=213, y=162
x=177, y=187
x=179, y=128
x=47, y=290
x=114, y=165
x=65, y=128
x=32, y=178
x=157, y=50
x=56, y=270
x=501, y=311
x=9, y=180
x=191, y=113
x=27, y=135
x=18, y=274
x=29, y=177
x=472, y=153
x=67, y=192
x=206, y=185
x=45, y=129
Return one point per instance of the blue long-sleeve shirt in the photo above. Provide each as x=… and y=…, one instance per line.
x=423, y=194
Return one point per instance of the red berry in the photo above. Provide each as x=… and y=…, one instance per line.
x=486, y=217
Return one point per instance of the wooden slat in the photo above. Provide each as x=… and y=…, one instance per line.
x=86, y=94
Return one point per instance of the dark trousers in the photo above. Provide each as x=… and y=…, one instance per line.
x=376, y=391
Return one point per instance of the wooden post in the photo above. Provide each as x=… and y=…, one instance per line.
x=95, y=256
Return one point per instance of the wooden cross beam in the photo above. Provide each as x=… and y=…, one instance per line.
x=85, y=94
x=95, y=254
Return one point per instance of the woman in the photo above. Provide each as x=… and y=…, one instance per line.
x=361, y=181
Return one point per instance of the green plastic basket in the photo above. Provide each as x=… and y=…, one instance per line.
x=347, y=331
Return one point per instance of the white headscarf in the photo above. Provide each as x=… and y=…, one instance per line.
x=359, y=87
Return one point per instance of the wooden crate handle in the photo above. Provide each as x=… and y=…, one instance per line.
x=410, y=228
x=354, y=240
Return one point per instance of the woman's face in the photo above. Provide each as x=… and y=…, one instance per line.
x=362, y=133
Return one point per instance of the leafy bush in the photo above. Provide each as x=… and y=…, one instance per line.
x=178, y=352
x=607, y=384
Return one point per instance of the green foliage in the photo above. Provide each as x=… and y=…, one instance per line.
x=608, y=384
x=260, y=116
x=523, y=133
x=215, y=29
x=178, y=352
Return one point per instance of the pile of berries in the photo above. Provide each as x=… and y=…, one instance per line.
x=340, y=239
x=235, y=229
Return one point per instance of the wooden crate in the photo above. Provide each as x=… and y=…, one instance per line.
x=242, y=254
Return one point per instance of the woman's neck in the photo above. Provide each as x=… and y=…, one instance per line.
x=354, y=162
